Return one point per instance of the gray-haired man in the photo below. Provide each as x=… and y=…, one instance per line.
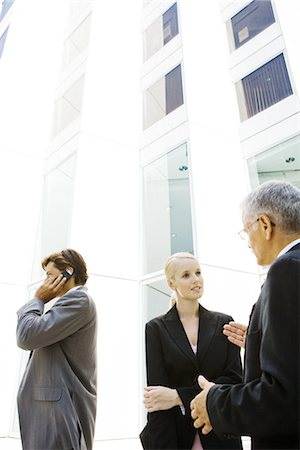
x=266, y=405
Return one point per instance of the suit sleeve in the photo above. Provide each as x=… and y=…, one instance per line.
x=161, y=424
x=36, y=330
x=268, y=404
x=230, y=373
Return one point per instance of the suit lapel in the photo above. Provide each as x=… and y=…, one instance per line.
x=207, y=328
x=177, y=333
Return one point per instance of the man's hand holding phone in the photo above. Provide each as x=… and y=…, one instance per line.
x=50, y=288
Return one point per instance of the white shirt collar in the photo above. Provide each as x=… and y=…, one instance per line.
x=288, y=247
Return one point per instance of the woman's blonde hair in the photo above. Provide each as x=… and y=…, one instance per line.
x=170, y=268
x=170, y=264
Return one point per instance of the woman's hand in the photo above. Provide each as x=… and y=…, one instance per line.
x=160, y=398
x=236, y=333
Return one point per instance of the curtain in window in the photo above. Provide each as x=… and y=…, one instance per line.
x=174, y=93
x=266, y=86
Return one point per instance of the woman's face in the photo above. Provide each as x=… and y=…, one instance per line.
x=187, y=280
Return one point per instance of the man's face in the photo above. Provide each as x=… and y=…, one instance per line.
x=52, y=271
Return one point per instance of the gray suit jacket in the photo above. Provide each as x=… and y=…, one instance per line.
x=57, y=395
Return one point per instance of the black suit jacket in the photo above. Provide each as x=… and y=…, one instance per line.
x=171, y=362
x=266, y=406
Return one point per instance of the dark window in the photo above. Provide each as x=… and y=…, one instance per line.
x=2, y=41
x=252, y=20
x=174, y=93
x=6, y=4
x=170, y=23
x=266, y=86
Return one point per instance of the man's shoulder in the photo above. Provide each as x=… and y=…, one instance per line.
x=78, y=295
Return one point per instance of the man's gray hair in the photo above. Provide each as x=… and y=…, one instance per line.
x=279, y=200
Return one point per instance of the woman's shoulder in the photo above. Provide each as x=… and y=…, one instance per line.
x=158, y=320
x=216, y=314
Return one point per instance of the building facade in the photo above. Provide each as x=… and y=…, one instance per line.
x=131, y=134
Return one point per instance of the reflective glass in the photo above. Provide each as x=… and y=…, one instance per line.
x=6, y=4
x=160, y=32
x=2, y=41
x=281, y=162
x=264, y=87
x=167, y=219
x=156, y=299
x=77, y=42
x=55, y=222
x=68, y=107
x=251, y=20
x=163, y=97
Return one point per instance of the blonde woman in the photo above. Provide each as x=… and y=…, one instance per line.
x=185, y=342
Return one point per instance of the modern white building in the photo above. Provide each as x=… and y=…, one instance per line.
x=130, y=133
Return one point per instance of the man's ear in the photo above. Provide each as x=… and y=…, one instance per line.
x=267, y=224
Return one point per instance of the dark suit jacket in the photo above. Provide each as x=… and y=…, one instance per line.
x=266, y=407
x=57, y=395
x=171, y=362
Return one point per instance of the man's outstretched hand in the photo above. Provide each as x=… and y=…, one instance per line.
x=198, y=406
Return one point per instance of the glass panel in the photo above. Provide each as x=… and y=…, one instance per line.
x=281, y=162
x=6, y=4
x=174, y=93
x=156, y=299
x=2, y=41
x=170, y=23
x=266, y=86
x=56, y=211
x=251, y=20
x=68, y=107
x=162, y=97
x=153, y=38
x=77, y=41
x=160, y=32
x=154, y=103
x=167, y=221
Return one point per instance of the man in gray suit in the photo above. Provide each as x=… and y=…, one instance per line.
x=57, y=395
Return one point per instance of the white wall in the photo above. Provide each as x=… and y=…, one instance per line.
x=105, y=222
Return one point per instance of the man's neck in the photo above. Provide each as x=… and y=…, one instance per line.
x=285, y=240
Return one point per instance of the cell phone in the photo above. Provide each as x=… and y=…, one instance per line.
x=66, y=274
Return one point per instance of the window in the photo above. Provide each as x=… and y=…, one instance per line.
x=170, y=23
x=77, y=42
x=163, y=97
x=250, y=21
x=167, y=221
x=6, y=4
x=160, y=32
x=281, y=162
x=2, y=41
x=263, y=88
x=156, y=297
x=68, y=107
x=55, y=223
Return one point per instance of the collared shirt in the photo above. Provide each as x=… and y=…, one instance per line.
x=288, y=247
x=75, y=287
